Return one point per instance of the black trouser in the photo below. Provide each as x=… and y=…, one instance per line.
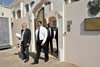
x=45, y=49
x=25, y=52
x=51, y=44
x=57, y=44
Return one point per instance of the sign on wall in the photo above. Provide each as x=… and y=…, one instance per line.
x=92, y=24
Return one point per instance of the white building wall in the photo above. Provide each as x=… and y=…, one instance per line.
x=15, y=8
x=49, y=12
x=58, y=5
x=82, y=47
x=6, y=11
x=7, y=14
x=26, y=18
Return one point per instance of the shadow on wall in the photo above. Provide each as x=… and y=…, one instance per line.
x=90, y=33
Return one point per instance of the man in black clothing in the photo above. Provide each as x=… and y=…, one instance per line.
x=41, y=38
x=25, y=42
x=50, y=36
x=56, y=37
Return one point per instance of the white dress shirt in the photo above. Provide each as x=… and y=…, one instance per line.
x=50, y=31
x=42, y=34
x=22, y=35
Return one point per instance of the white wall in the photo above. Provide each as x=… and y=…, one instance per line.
x=7, y=14
x=82, y=47
x=58, y=5
x=15, y=8
x=49, y=12
x=6, y=11
x=25, y=19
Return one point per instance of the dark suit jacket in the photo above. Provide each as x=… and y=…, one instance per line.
x=52, y=32
x=26, y=37
x=56, y=35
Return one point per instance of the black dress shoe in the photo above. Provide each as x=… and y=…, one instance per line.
x=56, y=51
x=26, y=61
x=52, y=51
x=22, y=58
x=46, y=60
x=34, y=63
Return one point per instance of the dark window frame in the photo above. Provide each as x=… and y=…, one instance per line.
x=32, y=3
x=2, y=14
x=27, y=7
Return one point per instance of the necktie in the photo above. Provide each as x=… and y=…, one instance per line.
x=48, y=32
x=38, y=35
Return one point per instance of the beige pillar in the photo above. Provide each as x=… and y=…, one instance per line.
x=69, y=1
x=10, y=32
x=47, y=20
x=16, y=14
x=32, y=47
x=22, y=8
x=51, y=6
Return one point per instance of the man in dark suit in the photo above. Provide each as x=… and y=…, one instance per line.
x=50, y=36
x=56, y=37
x=25, y=42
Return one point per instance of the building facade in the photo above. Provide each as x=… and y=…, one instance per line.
x=81, y=47
x=76, y=45
x=5, y=27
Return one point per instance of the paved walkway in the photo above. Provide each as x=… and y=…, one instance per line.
x=11, y=58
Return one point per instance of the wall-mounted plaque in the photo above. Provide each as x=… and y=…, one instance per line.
x=92, y=24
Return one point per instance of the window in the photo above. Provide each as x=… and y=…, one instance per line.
x=48, y=3
x=54, y=25
x=2, y=14
x=32, y=3
x=12, y=25
x=19, y=13
x=27, y=7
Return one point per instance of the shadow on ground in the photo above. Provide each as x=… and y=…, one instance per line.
x=33, y=55
x=53, y=53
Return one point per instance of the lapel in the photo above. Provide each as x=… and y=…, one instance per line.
x=25, y=33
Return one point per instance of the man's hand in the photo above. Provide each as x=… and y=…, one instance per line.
x=18, y=38
x=42, y=44
x=28, y=44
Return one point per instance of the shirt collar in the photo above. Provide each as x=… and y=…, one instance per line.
x=24, y=29
x=41, y=26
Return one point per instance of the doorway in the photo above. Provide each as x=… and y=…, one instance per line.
x=56, y=22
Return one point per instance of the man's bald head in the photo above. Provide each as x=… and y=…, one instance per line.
x=24, y=25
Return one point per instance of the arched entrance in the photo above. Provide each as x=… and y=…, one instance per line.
x=57, y=18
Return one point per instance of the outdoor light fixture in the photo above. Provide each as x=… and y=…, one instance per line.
x=94, y=7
